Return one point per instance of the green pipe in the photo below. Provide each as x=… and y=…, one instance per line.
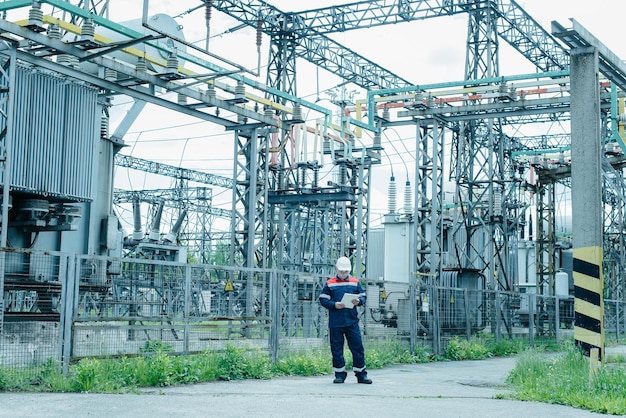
x=615, y=136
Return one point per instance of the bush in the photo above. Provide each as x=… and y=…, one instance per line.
x=235, y=364
x=87, y=373
x=466, y=350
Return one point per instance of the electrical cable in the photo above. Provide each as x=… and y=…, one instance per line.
x=390, y=142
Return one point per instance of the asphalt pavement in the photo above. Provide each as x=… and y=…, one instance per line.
x=438, y=389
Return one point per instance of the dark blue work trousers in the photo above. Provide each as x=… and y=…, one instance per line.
x=352, y=335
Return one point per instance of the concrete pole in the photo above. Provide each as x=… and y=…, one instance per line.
x=587, y=208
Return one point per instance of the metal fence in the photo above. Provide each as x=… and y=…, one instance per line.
x=60, y=308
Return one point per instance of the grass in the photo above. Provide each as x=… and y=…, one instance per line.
x=562, y=377
x=566, y=379
x=159, y=367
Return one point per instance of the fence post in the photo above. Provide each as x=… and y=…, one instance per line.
x=412, y=313
x=498, y=313
x=2, y=279
x=616, y=319
x=69, y=292
x=468, y=324
x=436, y=321
x=557, y=316
x=275, y=314
x=187, y=307
x=531, y=319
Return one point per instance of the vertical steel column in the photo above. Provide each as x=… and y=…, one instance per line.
x=545, y=238
x=249, y=201
x=362, y=216
x=290, y=237
x=423, y=188
x=427, y=237
x=614, y=242
x=321, y=240
x=478, y=165
x=7, y=103
x=436, y=228
x=275, y=313
x=545, y=258
x=436, y=192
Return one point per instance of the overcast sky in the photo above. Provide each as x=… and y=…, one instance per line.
x=427, y=51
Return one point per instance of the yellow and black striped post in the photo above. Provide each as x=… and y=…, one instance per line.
x=587, y=206
x=588, y=300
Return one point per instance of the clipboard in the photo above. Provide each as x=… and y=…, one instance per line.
x=347, y=299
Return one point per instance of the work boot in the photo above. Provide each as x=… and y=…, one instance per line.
x=363, y=379
x=340, y=377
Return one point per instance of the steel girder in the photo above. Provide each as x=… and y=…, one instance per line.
x=172, y=171
x=545, y=240
x=310, y=27
x=310, y=44
x=305, y=29
x=249, y=224
x=428, y=199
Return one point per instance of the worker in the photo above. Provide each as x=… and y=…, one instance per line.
x=341, y=295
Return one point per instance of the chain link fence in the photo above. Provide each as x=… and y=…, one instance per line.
x=59, y=308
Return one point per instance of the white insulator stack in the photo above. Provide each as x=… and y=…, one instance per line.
x=392, y=195
x=240, y=90
x=54, y=32
x=172, y=63
x=497, y=203
x=326, y=145
x=408, y=198
x=110, y=75
x=297, y=112
x=74, y=62
x=35, y=15
x=88, y=31
x=211, y=93
x=104, y=126
x=343, y=175
x=141, y=66
x=377, y=140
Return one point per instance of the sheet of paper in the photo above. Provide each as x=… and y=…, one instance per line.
x=347, y=299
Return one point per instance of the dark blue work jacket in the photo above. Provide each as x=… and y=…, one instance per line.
x=333, y=291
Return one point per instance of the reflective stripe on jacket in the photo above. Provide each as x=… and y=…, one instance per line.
x=333, y=291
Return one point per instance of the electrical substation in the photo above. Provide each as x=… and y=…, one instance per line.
x=88, y=268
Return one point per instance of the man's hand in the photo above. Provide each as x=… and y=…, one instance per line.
x=339, y=305
x=356, y=302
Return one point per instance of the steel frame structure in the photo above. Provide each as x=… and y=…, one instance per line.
x=268, y=212
x=484, y=173
x=488, y=21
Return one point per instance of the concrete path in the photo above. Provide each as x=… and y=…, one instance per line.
x=440, y=389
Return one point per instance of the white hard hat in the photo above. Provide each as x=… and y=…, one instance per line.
x=343, y=264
